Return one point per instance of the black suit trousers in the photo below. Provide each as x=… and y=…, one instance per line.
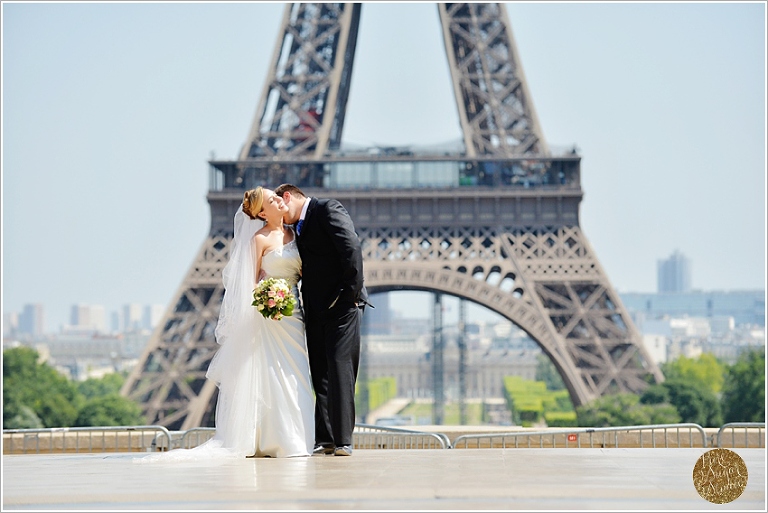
x=333, y=344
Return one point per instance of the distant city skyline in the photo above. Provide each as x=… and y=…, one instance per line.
x=400, y=304
x=32, y=319
x=106, y=133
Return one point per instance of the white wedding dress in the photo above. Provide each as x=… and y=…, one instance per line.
x=265, y=405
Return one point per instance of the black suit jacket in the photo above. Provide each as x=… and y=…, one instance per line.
x=331, y=258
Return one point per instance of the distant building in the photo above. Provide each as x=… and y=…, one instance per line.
x=153, y=314
x=656, y=345
x=745, y=306
x=115, y=325
x=80, y=355
x=32, y=320
x=674, y=274
x=378, y=320
x=132, y=317
x=409, y=326
x=729, y=346
x=408, y=360
x=691, y=348
x=667, y=338
x=10, y=324
x=679, y=327
x=89, y=317
x=722, y=324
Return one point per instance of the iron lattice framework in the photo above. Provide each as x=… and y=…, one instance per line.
x=304, y=101
x=496, y=224
x=546, y=280
x=496, y=114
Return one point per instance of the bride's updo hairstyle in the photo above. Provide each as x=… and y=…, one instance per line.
x=253, y=200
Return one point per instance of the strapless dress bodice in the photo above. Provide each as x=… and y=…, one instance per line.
x=283, y=262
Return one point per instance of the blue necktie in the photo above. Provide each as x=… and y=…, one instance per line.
x=298, y=226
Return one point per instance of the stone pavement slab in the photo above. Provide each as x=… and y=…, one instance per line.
x=425, y=479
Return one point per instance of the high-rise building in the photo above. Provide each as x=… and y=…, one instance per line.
x=10, y=324
x=674, y=273
x=115, y=325
x=98, y=318
x=153, y=314
x=132, y=317
x=32, y=320
x=89, y=317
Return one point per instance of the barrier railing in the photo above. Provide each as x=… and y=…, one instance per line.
x=368, y=436
x=196, y=436
x=365, y=436
x=86, y=439
x=622, y=436
x=757, y=438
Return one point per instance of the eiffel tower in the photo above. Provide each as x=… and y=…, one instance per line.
x=495, y=222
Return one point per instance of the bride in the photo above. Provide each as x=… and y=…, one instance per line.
x=265, y=405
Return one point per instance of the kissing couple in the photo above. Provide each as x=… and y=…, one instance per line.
x=267, y=369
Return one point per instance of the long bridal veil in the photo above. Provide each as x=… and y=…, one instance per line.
x=233, y=367
x=235, y=326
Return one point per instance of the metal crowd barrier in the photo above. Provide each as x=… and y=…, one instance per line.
x=747, y=427
x=365, y=436
x=631, y=436
x=196, y=436
x=368, y=436
x=86, y=439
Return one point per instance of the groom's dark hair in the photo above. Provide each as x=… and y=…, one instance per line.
x=288, y=187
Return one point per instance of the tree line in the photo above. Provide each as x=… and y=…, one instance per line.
x=35, y=395
x=702, y=390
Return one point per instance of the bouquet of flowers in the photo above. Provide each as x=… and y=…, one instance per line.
x=273, y=298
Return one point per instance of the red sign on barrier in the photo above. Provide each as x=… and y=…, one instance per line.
x=572, y=437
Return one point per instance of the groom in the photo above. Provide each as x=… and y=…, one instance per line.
x=333, y=297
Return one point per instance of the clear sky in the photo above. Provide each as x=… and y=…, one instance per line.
x=110, y=112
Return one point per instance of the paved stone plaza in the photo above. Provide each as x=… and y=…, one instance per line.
x=449, y=479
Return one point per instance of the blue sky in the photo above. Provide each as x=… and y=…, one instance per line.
x=110, y=112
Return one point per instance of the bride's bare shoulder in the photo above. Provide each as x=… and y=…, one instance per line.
x=259, y=239
x=266, y=240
